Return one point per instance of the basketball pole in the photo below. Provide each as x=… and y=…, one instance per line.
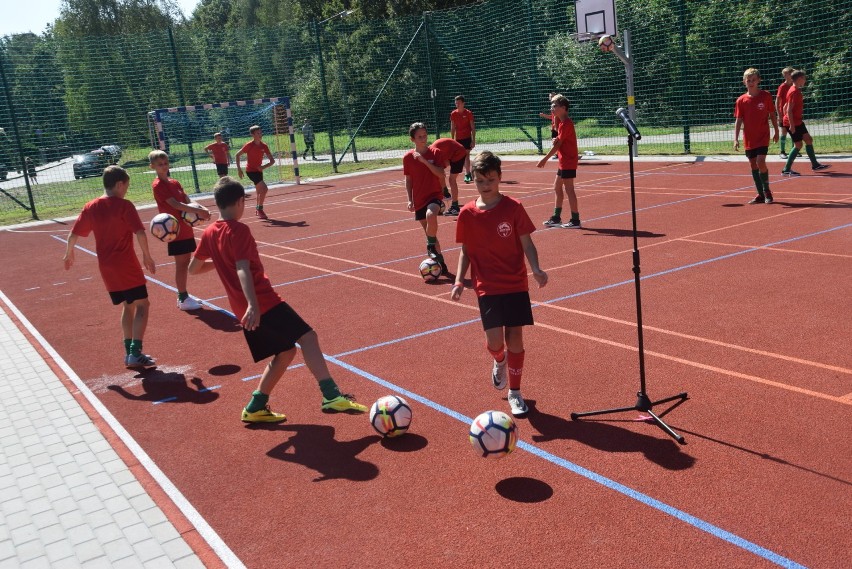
x=625, y=54
x=643, y=402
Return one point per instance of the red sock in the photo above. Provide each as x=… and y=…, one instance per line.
x=516, y=368
x=497, y=354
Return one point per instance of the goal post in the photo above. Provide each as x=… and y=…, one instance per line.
x=173, y=128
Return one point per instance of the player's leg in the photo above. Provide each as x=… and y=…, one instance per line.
x=257, y=410
x=763, y=173
x=755, y=175
x=515, y=358
x=127, y=315
x=261, y=190
x=467, y=177
x=568, y=187
x=181, y=277
x=495, y=345
x=136, y=310
x=332, y=398
x=783, y=142
x=433, y=246
x=796, y=136
x=455, y=169
x=809, y=149
x=556, y=219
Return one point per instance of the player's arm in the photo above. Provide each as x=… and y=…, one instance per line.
x=738, y=125
x=409, y=189
x=199, y=266
x=774, y=120
x=789, y=110
x=237, y=159
x=147, y=259
x=452, y=128
x=472, y=132
x=68, y=259
x=434, y=168
x=271, y=160
x=194, y=207
x=546, y=116
x=464, y=263
x=209, y=149
x=532, y=258
x=556, y=144
x=251, y=319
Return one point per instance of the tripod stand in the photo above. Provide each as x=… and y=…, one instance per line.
x=643, y=403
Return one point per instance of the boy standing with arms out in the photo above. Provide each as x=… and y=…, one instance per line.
x=564, y=146
x=308, y=134
x=781, y=106
x=796, y=125
x=255, y=149
x=423, y=186
x=448, y=151
x=220, y=153
x=494, y=231
x=173, y=200
x=752, y=110
x=463, y=130
x=115, y=222
x=271, y=327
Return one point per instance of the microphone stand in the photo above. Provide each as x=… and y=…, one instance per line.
x=643, y=403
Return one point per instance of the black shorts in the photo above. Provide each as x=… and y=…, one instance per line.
x=420, y=214
x=130, y=295
x=466, y=142
x=256, y=177
x=279, y=330
x=566, y=173
x=222, y=169
x=512, y=309
x=759, y=151
x=457, y=167
x=181, y=247
x=801, y=131
x=554, y=133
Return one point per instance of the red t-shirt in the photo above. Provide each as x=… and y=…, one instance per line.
x=254, y=155
x=165, y=189
x=225, y=242
x=220, y=152
x=115, y=222
x=447, y=150
x=492, y=241
x=795, y=106
x=463, y=121
x=567, y=152
x=781, y=97
x=755, y=112
x=554, y=122
x=425, y=186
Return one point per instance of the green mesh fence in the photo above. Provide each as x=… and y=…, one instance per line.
x=85, y=100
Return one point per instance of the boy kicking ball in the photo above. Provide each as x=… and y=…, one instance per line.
x=494, y=231
x=271, y=327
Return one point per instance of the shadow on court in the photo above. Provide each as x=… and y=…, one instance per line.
x=524, y=489
x=217, y=320
x=621, y=232
x=283, y=223
x=168, y=387
x=314, y=447
x=823, y=205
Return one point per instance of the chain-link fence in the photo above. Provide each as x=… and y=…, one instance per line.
x=69, y=106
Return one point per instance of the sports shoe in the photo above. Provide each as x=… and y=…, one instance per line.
x=517, y=404
x=757, y=199
x=447, y=194
x=260, y=213
x=768, y=198
x=499, y=374
x=467, y=178
x=138, y=362
x=782, y=155
x=265, y=415
x=454, y=210
x=819, y=167
x=554, y=221
x=573, y=224
x=444, y=269
x=343, y=402
x=189, y=304
x=789, y=173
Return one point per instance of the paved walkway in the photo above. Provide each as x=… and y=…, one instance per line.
x=66, y=497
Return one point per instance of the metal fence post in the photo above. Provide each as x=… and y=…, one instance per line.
x=325, y=97
x=20, y=146
x=179, y=82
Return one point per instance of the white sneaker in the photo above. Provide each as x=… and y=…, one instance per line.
x=517, y=403
x=189, y=304
x=499, y=375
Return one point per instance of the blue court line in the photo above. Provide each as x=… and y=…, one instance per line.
x=553, y=459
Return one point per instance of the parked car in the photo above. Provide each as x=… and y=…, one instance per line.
x=89, y=164
x=113, y=152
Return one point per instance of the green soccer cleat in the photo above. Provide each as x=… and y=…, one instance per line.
x=343, y=403
x=263, y=416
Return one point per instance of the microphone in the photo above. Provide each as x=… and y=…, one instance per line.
x=628, y=123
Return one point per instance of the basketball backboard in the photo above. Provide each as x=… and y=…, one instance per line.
x=595, y=18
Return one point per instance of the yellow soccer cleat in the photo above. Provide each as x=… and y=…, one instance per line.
x=343, y=403
x=263, y=416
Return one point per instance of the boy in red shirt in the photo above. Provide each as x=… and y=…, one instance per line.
x=781, y=106
x=752, y=110
x=423, y=180
x=564, y=146
x=463, y=130
x=494, y=231
x=220, y=153
x=255, y=149
x=115, y=222
x=796, y=125
x=173, y=200
x=448, y=151
x=271, y=327
x=554, y=120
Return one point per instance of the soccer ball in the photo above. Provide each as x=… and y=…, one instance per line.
x=493, y=434
x=606, y=43
x=164, y=227
x=191, y=217
x=430, y=270
x=390, y=416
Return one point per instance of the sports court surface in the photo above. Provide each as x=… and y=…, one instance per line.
x=746, y=308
